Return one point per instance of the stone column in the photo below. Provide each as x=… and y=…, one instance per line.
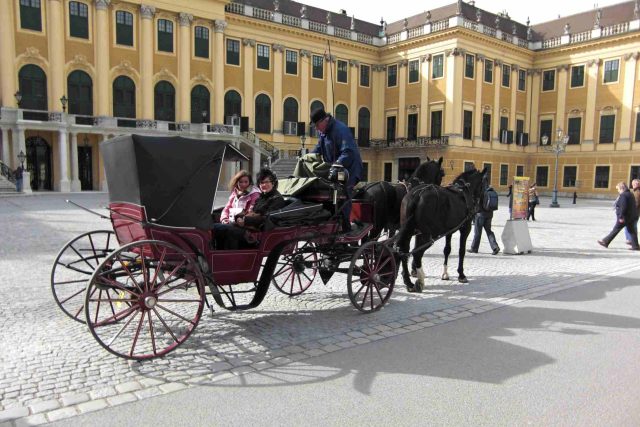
x=477, y=114
x=63, y=152
x=5, y=147
x=626, y=115
x=378, y=85
x=512, y=107
x=561, y=98
x=305, y=59
x=100, y=163
x=497, y=84
x=75, y=182
x=218, y=72
x=401, y=127
x=424, y=95
x=278, y=113
x=7, y=52
x=248, y=61
x=536, y=76
x=101, y=44
x=55, y=38
x=590, y=111
x=184, y=68
x=146, y=60
x=529, y=89
x=453, y=104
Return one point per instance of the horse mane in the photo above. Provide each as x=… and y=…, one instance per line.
x=464, y=176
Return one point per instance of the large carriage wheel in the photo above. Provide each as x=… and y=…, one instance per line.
x=141, y=307
x=296, y=271
x=74, y=266
x=371, y=276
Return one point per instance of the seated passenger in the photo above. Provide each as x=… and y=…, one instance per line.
x=242, y=198
x=235, y=236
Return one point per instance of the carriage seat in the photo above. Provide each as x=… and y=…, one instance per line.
x=297, y=212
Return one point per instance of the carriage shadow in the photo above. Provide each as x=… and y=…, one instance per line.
x=279, y=338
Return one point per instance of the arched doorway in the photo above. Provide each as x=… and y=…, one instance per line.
x=80, y=90
x=200, y=100
x=342, y=114
x=39, y=163
x=290, y=125
x=263, y=114
x=165, y=102
x=33, y=88
x=124, y=98
x=364, y=124
x=232, y=105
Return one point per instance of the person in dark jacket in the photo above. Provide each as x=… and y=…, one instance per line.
x=483, y=220
x=270, y=200
x=336, y=145
x=626, y=216
x=635, y=190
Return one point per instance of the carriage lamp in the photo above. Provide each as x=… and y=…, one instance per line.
x=63, y=101
x=18, y=96
x=21, y=158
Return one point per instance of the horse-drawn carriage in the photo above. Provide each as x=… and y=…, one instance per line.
x=141, y=288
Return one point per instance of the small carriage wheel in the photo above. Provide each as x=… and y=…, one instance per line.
x=144, y=299
x=74, y=266
x=371, y=276
x=296, y=271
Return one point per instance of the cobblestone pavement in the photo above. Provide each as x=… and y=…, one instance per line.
x=51, y=367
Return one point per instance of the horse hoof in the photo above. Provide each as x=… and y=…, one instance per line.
x=445, y=277
x=414, y=272
x=463, y=280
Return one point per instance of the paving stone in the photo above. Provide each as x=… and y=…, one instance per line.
x=74, y=398
x=171, y=387
x=13, y=413
x=93, y=405
x=45, y=406
x=60, y=414
x=33, y=420
x=121, y=398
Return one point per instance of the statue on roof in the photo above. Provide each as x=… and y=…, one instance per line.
x=328, y=18
x=405, y=24
x=596, y=24
x=276, y=6
x=353, y=23
x=428, y=17
x=567, y=29
x=478, y=15
x=303, y=12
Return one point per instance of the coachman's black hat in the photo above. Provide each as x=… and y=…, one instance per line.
x=318, y=114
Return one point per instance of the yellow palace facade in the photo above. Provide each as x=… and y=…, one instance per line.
x=460, y=82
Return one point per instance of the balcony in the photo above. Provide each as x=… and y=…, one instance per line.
x=420, y=142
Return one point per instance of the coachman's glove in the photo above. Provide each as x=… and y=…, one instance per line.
x=337, y=173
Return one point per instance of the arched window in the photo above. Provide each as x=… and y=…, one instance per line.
x=232, y=105
x=124, y=97
x=200, y=101
x=342, y=113
x=364, y=124
x=290, y=116
x=33, y=87
x=80, y=92
x=263, y=114
x=314, y=106
x=165, y=101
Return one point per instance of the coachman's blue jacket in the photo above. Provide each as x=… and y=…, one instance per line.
x=337, y=146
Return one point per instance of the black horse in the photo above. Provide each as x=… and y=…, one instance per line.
x=387, y=197
x=435, y=212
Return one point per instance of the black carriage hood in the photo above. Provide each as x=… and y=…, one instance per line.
x=174, y=178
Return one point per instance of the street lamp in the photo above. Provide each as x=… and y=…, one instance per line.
x=204, y=116
x=21, y=158
x=303, y=151
x=558, y=147
x=63, y=101
x=18, y=96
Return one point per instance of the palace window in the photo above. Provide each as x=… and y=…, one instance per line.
x=488, y=167
x=546, y=129
x=392, y=75
x=436, y=124
x=264, y=57
x=506, y=75
x=548, y=80
x=391, y=128
x=233, y=52
x=488, y=71
x=30, y=15
x=165, y=35
x=291, y=62
x=486, y=127
x=504, y=174
x=577, y=76
x=575, y=124
x=542, y=176
x=343, y=67
x=469, y=66
x=201, y=42
x=467, y=124
x=124, y=28
x=601, y=178
x=318, y=67
x=569, y=176
x=365, y=71
x=412, y=127
x=78, y=20
x=437, y=66
x=611, y=70
x=522, y=80
x=263, y=114
x=414, y=71
x=607, y=127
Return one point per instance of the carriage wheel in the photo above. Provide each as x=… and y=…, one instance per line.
x=371, y=276
x=296, y=271
x=140, y=307
x=74, y=266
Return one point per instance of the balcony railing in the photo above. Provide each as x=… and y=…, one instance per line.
x=421, y=141
x=7, y=172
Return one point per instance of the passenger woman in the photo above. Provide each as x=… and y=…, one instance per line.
x=242, y=198
x=236, y=236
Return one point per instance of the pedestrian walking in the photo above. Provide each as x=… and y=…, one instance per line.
x=626, y=217
x=533, y=202
x=510, y=196
x=483, y=221
x=575, y=196
x=635, y=190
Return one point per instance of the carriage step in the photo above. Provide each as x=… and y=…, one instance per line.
x=358, y=231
